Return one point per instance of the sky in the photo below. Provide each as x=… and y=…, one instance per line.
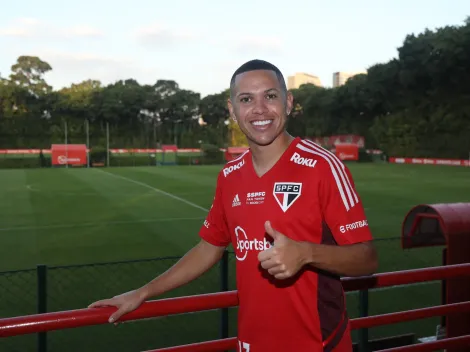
x=199, y=44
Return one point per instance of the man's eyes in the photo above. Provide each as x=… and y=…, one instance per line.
x=269, y=96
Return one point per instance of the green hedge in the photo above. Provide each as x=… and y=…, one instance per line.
x=19, y=163
x=27, y=161
x=364, y=157
x=212, y=154
x=132, y=160
x=98, y=155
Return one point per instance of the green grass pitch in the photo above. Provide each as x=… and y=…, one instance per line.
x=63, y=217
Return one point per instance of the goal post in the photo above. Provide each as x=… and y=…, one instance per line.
x=169, y=154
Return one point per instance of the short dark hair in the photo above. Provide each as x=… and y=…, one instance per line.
x=257, y=64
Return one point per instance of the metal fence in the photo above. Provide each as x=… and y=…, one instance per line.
x=110, y=144
x=56, y=288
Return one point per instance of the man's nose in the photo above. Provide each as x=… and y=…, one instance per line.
x=260, y=106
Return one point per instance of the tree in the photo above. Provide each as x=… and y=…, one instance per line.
x=14, y=100
x=176, y=110
x=77, y=100
x=213, y=108
x=236, y=136
x=28, y=72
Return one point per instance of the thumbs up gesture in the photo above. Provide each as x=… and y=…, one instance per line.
x=285, y=258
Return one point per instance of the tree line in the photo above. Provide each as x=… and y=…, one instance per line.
x=417, y=104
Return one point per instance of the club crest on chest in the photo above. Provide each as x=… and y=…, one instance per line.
x=286, y=193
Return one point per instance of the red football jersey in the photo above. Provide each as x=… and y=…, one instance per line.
x=308, y=195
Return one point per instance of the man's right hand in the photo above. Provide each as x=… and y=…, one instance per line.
x=126, y=302
x=197, y=261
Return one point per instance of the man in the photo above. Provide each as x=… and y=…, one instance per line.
x=295, y=220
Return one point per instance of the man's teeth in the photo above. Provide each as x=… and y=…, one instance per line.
x=262, y=123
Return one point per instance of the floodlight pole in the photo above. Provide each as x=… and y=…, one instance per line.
x=107, y=143
x=87, y=142
x=66, y=146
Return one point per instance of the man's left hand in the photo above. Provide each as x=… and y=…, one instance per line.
x=285, y=258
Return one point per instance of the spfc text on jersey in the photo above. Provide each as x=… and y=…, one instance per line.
x=287, y=187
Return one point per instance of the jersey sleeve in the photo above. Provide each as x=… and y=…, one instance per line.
x=214, y=229
x=341, y=205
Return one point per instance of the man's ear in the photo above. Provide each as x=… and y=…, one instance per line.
x=231, y=110
x=289, y=103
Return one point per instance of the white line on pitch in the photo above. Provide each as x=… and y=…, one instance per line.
x=76, y=193
x=92, y=224
x=154, y=189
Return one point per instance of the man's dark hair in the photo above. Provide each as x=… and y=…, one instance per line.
x=254, y=65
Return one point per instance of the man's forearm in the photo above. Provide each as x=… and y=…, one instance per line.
x=195, y=263
x=349, y=260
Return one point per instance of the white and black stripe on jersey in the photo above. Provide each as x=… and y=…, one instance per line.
x=338, y=169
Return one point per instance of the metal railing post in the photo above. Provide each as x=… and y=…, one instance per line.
x=364, y=312
x=224, y=287
x=41, y=271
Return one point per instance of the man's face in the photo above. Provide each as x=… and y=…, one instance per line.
x=259, y=106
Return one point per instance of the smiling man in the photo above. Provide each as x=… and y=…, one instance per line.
x=295, y=220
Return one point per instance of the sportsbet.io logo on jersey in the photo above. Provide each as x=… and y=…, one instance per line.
x=244, y=245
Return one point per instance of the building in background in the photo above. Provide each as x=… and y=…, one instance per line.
x=340, y=78
x=295, y=81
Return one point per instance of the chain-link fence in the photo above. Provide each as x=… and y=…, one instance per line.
x=18, y=296
x=401, y=298
x=74, y=287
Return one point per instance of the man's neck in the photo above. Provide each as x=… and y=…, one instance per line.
x=265, y=157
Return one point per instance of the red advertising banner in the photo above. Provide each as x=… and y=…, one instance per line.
x=231, y=153
x=69, y=154
x=20, y=151
x=427, y=161
x=189, y=150
x=347, y=151
x=331, y=141
x=114, y=151
x=147, y=151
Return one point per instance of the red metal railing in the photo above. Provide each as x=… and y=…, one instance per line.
x=207, y=346
x=409, y=315
x=95, y=316
x=231, y=343
x=85, y=317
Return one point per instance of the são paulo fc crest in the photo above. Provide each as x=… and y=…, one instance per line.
x=286, y=193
